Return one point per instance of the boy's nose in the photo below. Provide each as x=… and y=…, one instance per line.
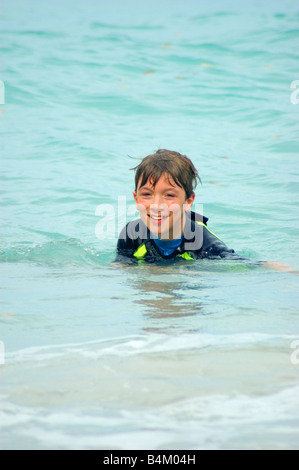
x=157, y=200
x=158, y=205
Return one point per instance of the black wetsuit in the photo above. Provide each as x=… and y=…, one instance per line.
x=136, y=242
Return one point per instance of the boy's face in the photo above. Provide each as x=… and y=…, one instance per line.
x=162, y=208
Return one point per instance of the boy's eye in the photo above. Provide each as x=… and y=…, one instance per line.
x=170, y=195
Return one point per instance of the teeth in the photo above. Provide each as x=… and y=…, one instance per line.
x=156, y=217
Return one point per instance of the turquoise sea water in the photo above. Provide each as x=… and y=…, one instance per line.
x=187, y=356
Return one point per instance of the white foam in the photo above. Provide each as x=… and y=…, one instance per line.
x=146, y=344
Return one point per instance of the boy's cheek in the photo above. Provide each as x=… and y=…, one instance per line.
x=175, y=208
x=141, y=208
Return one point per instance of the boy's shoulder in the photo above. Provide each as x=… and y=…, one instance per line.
x=196, y=217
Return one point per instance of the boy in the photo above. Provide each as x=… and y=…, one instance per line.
x=167, y=228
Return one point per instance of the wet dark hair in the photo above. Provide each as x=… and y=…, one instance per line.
x=178, y=167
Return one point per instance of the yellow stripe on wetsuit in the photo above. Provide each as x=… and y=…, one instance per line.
x=204, y=225
x=141, y=252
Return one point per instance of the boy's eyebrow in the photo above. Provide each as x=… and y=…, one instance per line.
x=147, y=188
x=151, y=188
x=149, y=185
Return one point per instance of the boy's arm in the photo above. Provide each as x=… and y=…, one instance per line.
x=279, y=266
x=218, y=248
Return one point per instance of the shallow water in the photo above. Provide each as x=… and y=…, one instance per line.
x=185, y=356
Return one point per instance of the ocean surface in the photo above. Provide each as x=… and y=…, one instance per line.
x=198, y=355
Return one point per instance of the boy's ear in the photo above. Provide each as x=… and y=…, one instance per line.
x=189, y=202
x=135, y=196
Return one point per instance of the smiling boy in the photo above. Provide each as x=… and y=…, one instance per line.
x=167, y=228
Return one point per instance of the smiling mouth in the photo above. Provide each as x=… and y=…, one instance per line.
x=157, y=218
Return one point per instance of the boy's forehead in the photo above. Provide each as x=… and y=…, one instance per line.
x=152, y=180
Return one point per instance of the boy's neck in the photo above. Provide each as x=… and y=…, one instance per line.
x=155, y=237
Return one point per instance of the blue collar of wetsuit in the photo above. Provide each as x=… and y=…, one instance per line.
x=167, y=246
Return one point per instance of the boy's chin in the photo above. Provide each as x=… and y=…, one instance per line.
x=164, y=233
x=161, y=235
x=165, y=229
x=159, y=231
